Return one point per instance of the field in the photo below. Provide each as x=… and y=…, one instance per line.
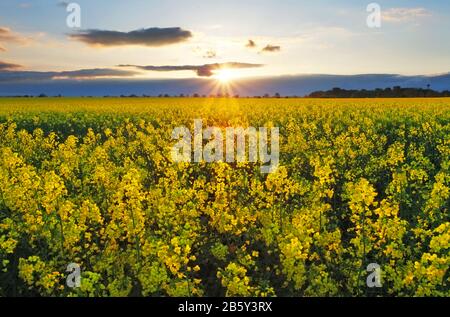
x=89, y=184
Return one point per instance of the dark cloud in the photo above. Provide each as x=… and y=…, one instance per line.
x=145, y=37
x=16, y=76
x=251, y=44
x=285, y=85
x=206, y=70
x=8, y=66
x=96, y=73
x=271, y=48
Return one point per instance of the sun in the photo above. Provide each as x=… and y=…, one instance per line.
x=225, y=81
x=224, y=75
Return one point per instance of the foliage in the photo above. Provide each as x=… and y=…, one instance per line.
x=91, y=181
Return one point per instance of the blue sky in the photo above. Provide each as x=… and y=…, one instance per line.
x=312, y=37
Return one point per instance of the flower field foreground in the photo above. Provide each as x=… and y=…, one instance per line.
x=89, y=183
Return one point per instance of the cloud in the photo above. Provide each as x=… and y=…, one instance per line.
x=251, y=44
x=95, y=73
x=285, y=85
x=2, y=49
x=8, y=66
x=271, y=48
x=6, y=35
x=210, y=54
x=18, y=76
x=205, y=53
x=147, y=37
x=63, y=4
x=404, y=14
x=206, y=70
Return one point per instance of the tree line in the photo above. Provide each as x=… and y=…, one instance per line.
x=395, y=92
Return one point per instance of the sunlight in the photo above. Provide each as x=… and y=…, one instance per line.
x=224, y=75
x=226, y=82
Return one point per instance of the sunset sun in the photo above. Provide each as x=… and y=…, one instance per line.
x=224, y=75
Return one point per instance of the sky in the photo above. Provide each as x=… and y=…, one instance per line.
x=221, y=39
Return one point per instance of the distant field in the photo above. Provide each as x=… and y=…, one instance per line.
x=131, y=105
x=91, y=181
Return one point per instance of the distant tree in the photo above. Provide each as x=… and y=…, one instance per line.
x=396, y=92
x=277, y=95
x=42, y=96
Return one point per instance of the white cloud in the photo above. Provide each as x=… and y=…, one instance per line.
x=404, y=14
